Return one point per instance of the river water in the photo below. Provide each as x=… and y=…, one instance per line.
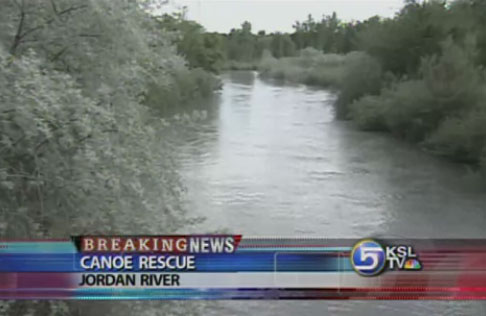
x=270, y=160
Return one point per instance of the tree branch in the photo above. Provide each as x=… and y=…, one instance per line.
x=18, y=35
x=59, y=54
x=54, y=7
x=41, y=26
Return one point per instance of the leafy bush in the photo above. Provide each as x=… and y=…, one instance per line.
x=186, y=85
x=80, y=152
x=361, y=76
x=200, y=49
x=405, y=108
x=400, y=43
x=76, y=136
x=440, y=108
x=450, y=86
x=411, y=110
x=453, y=78
x=66, y=160
x=461, y=138
x=368, y=113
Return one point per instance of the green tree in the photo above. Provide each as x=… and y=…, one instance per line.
x=401, y=42
x=80, y=152
x=199, y=48
x=241, y=43
x=282, y=45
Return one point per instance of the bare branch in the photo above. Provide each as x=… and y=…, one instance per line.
x=20, y=27
x=46, y=23
x=59, y=54
x=54, y=7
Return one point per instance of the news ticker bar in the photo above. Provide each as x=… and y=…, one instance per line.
x=209, y=267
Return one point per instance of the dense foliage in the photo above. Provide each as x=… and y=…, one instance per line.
x=419, y=75
x=244, y=49
x=432, y=58
x=82, y=152
x=80, y=149
x=201, y=49
x=330, y=35
x=75, y=132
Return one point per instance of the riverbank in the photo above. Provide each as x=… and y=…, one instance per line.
x=310, y=67
x=231, y=65
x=277, y=147
x=444, y=115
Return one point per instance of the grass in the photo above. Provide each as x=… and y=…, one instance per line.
x=310, y=67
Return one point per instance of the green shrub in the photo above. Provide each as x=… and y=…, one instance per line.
x=452, y=78
x=66, y=160
x=461, y=138
x=79, y=151
x=450, y=86
x=185, y=87
x=411, y=110
x=414, y=109
x=401, y=42
x=368, y=113
x=361, y=76
x=406, y=108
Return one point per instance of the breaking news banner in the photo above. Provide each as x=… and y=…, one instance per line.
x=211, y=267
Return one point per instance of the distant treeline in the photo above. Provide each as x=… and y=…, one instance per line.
x=419, y=75
x=399, y=43
x=241, y=46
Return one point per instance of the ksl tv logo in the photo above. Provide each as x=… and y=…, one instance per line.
x=370, y=258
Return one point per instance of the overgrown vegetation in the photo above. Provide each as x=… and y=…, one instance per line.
x=419, y=75
x=432, y=77
x=310, y=67
x=76, y=130
x=200, y=49
x=81, y=151
x=330, y=35
x=82, y=84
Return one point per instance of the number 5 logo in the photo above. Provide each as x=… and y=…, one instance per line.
x=368, y=258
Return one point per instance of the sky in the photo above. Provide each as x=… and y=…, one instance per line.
x=278, y=15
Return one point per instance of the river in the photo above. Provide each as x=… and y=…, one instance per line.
x=270, y=160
